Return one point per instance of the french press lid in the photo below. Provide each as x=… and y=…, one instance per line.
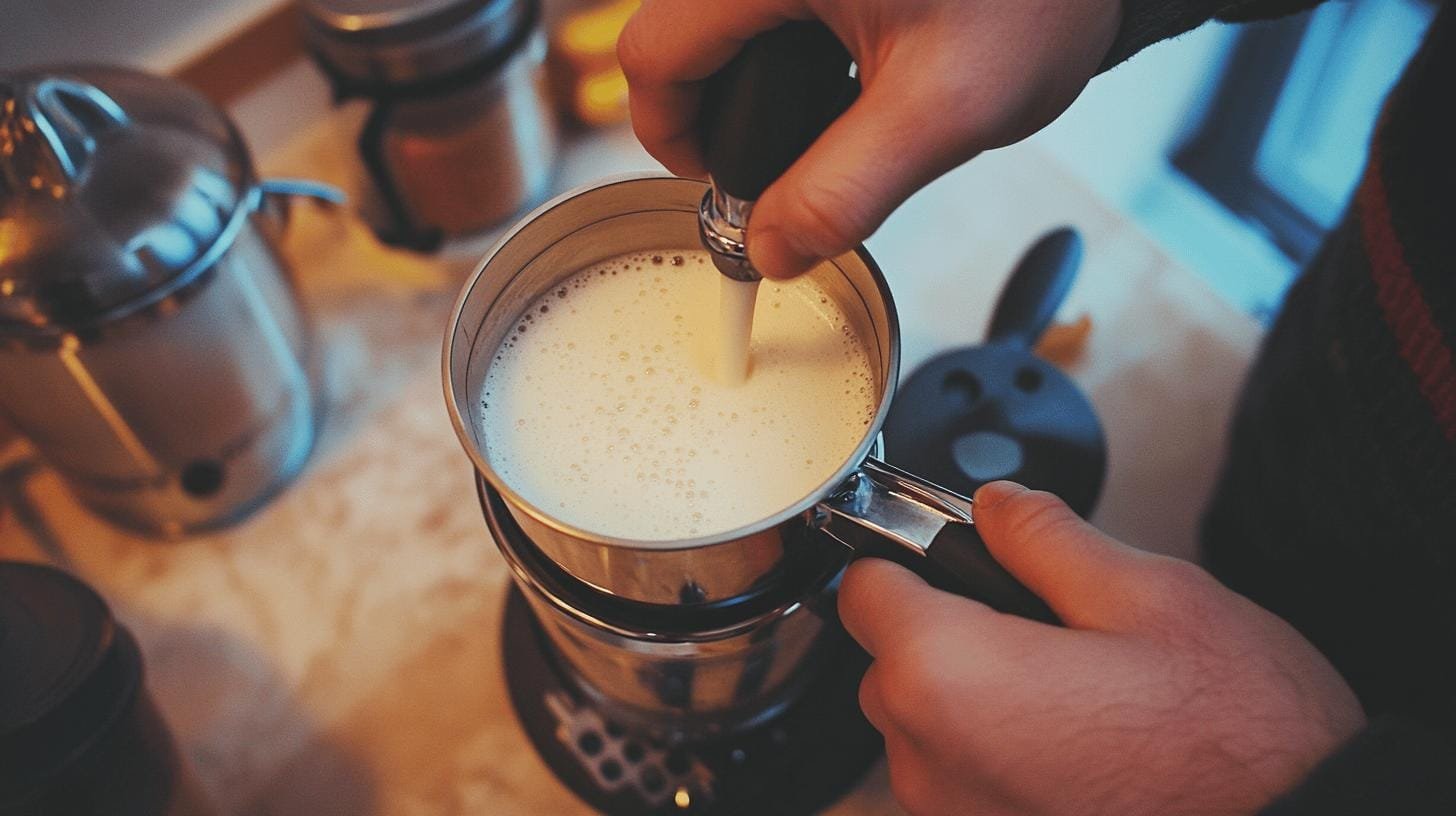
x=406, y=42
x=116, y=188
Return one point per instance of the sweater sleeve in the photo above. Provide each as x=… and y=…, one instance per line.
x=1145, y=22
x=1395, y=765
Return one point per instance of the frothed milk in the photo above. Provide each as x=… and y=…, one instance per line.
x=604, y=407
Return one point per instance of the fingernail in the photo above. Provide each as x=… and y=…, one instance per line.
x=990, y=495
x=775, y=256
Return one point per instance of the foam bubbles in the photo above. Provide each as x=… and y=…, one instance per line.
x=607, y=409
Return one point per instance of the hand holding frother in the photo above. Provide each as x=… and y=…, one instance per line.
x=942, y=81
x=760, y=113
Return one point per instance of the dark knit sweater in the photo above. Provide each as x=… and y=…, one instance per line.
x=1337, y=504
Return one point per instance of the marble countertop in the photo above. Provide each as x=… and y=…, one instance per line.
x=337, y=653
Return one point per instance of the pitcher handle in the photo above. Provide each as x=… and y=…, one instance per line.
x=933, y=524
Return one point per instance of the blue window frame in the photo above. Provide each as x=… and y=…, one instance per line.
x=1284, y=137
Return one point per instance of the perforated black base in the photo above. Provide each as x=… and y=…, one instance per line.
x=798, y=763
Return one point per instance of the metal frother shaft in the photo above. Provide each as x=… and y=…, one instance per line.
x=760, y=112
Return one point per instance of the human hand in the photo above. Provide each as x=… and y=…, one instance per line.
x=942, y=81
x=1166, y=693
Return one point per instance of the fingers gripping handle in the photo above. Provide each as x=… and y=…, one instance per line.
x=960, y=552
x=762, y=110
x=885, y=511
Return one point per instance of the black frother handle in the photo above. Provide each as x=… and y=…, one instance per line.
x=1037, y=287
x=762, y=110
x=959, y=552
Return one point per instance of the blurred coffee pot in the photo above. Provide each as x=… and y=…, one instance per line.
x=151, y=344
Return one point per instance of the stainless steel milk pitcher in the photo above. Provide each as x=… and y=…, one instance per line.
x=865, y=503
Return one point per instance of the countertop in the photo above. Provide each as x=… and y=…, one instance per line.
x=337, y=653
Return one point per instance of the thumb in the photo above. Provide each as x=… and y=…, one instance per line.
x=856, y=173
x=1085, y=576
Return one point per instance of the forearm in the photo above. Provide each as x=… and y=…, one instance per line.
x=1145, y=22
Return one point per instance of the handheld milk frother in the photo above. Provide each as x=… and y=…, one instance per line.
x=760, y=113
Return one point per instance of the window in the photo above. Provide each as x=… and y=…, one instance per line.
x=1283, y=139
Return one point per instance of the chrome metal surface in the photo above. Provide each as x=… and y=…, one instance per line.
x=894, y=505
x=590, y=225
x=69, y=142
x=116, y=187
x=723, y=228
x=699, y=688
x=697, y=683
x=153, y=348
x=187, y=421
x=303, y=188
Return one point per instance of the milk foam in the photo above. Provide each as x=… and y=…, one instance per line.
x=602, y=408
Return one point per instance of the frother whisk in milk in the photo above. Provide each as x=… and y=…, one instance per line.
x=602, y=407
x=736, y=302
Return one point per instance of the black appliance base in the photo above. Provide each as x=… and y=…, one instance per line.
x=797, y=763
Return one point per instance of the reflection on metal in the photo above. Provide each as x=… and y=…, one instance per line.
x=69, y=139
x=723, y=227
x=266, y=320
x=14, y=478
x=306, y=188
x=105, y=408
x=893, y=504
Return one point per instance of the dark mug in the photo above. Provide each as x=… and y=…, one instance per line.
x=79, y=735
